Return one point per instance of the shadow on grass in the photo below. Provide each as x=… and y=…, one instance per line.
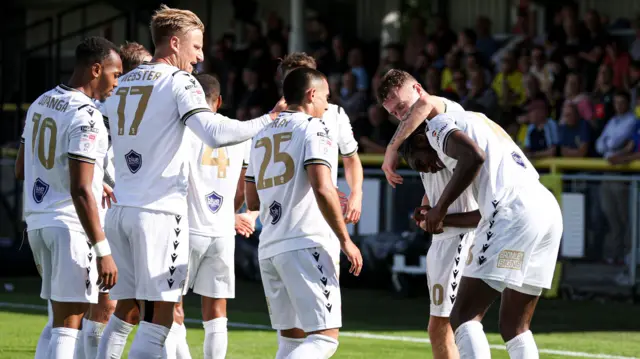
x=381, y=311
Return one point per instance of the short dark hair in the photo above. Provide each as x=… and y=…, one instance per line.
x=298, y=82
x=132, y=55
x=624, y=94
x=210, y=86
x=296, y=60
x=93, y=50
x=392, y=80
x=411, y=145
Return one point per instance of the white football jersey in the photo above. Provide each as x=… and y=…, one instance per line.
x=62, y=123
x=147, y=115
x=450, y=106
x=109, y=169
x=289, y=212
x=505, y=165
x=434, y=184
x=213, y=180
x=337, y=122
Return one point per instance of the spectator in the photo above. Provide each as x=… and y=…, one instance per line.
x=352, y=100
x=539, y=68
x=392, y=58
x=452, y=61
x=337, y=63
x=421, y=65
x=378, y=132
x=466, y=43
x=603, y=97
x=617, y=57
x=474, y=62
x=416, y=41
x=574, y=95
x=357, y=67
x=254, y=95
x=481, y=98
x=432, y=84
x=619, y=129
x=635, y=45
x=443, y=35
x=508, y=83
x=593, y=49
x=485, y=42
x=634, y=83
x=460, y=85
x=574, y=133
x=542, y=134
x=433, y=55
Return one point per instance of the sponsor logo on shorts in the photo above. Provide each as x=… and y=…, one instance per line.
x=214, y=201
x=40, y=189
x=134, y=161
x=510, y=259
x=275, y=210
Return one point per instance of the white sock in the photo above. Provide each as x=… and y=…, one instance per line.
x=42, y=350
x=315, y=346
x=114, y=338
x=472, y=341
x=63, y=343
x=80, y=343
x=286, y=346
x=176, y=347
x=149, y=341
x=215, y=338
x=91, y=335
x=523, y=346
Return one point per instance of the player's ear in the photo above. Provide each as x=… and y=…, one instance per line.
x=174, y=43
x=311, y=94
x=96, y=70
x=418, y=88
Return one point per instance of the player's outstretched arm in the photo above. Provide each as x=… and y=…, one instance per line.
x=19, y=170
x=216, y=130
x=354, y=175
x=329, y=203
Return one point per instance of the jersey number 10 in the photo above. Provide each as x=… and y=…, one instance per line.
x=273, y=146
x=46, y=159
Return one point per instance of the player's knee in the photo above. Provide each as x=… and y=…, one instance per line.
x=511, y=328
x=128, y=311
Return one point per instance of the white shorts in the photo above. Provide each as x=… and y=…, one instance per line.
x=67, y=264
x=302, y=290
x=151, y=250
x=446, y=259
x=211, y=266
x=517, y=246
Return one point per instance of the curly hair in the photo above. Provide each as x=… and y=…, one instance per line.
x=93, y=50
x=295, y=60
x=392, y=80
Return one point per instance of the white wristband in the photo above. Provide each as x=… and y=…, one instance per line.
x=102, y=248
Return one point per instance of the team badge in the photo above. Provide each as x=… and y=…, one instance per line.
x=134, y=161
x=275, y=210
x=214, y=201
x=516, y=157
x=40, y=189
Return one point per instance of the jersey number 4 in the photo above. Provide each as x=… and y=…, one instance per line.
x=124, y=92
x=273, y=147
x=222, y=160
x=39, y=129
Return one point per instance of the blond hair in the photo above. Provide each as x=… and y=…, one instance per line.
x=167, y=22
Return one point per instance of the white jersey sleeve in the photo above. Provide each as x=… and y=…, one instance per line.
x=247, y=154
x=189, y=96
x=84, y=132
x=318, y=147
x=346, y=141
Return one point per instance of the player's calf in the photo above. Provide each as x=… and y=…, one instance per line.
x=95, y=323
x=214, y=320
x=516, y=312
x=176, y=344
x=115, y=334
x=67, y=321
x=443, y=345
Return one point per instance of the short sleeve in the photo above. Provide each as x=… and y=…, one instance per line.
x=319, y=148
x=247, y=153
x=346, y=142
x=439, y=130
x=249, y=176
x=84, y=132
x=189, y=95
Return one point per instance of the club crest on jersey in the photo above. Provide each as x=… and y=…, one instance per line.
x=275, y=210
x=40, y=189
x=516, y=157
x=214, y=201
x=134, y=161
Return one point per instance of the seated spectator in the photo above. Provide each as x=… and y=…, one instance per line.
x=603, y=98
x=356, y=65
x=452, y=61
x=460, y=85
x=574, y=133
x=508, y=83
x=631, y=151
x=542, y=135
x=433, y=54
x=617, y=57
x=432, y=85
x=353, y=101
x=619, y=129
x=485, y=43
x=573, y=94
x=481, y=98
x=254, y=94
x=540, y=69
x=474, y=62
x=376, y=134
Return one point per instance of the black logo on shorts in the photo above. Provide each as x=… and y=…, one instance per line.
x=323, y=280
x=481, y=260
x=275, y=210
x=87, y=283
x=329, y=306
x=316, y=256
x=178, y=218
x=177, y=230
x=491, y=222
x=459, y=248
x=495, y=204
x=326, y=293
x=489, y=235
x=453, y=298
x=134, y=161
x=40, y=189
x=173, y=257
x=454, y=285
x=495, y=212
x=485, y=247
x=175, y=245
x=170, y=281
x=88, y=270
x=172, y=269
x=455, y=273
x=320, y=268
x=457, y=260
x=90, y=256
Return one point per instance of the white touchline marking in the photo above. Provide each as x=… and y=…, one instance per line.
x=361, y=335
